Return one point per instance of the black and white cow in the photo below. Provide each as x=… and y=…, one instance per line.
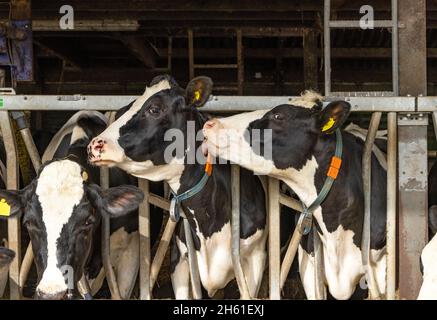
x=302, y=145
x=61, y=210
x=6, y=257
x=72, y=140
x=137, y=143
x=428, y=291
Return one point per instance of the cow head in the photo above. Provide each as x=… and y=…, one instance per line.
x=274, y=141
x=60, y=211
x=139, y=140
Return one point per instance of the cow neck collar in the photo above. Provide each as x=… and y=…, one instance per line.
x=306, y=218
x=178, y=198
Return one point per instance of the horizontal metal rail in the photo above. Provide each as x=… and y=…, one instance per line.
x=215, y=104
x=427, y=104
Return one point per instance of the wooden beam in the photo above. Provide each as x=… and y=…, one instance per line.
x=310, y=60
x=141, y=49
x=61, y=53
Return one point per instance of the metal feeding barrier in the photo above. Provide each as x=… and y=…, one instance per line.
x=149, y=268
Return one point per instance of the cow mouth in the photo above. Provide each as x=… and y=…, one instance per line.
x=101, y=163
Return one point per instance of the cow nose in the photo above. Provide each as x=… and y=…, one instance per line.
x=96, y=147
x=39, y=295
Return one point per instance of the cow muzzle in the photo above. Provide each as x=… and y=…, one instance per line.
x=59, y=295
x=216, y=139
x=103, y=152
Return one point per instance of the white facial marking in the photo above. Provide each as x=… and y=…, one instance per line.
x=114, y=152
x=428, y=291
x=307, y=99
x=77, y=134
x=59, y=190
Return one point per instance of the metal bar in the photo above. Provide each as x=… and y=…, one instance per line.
x=240, y=61
x=106, y=239
x=434, y=121
x=215, y=103
x=161, y=251
x=413, y=202
x=191, y=53
x=356, y=24
x=192, y=261
x=144, y=231
x=391, y=204
x=290, y=202
x=367, y=188
x=394, y=47
x=427, y=104
x=274, y=240
x=14, y=230
x=320, y=292
x=327, y=45
x=235, y=225
x=289, y=256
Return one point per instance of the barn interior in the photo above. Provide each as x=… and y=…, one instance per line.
x=250, y=48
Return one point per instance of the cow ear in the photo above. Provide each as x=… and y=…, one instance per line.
x=333, y=116
x=115, y=201
x=198, y=91
x=10, y=203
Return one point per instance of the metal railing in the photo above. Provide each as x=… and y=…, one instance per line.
x=149, y=271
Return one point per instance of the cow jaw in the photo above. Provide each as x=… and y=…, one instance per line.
x=59, y=190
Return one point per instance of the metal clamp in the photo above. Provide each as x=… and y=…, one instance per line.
x=305, y=222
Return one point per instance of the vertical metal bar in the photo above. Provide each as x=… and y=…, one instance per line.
x=191, y=53
x=413, y=203
x=144, y=231
x=274, y=240
x=320, y=288
x=106, y=234
x=235, y=225
x=14, y=230
x=434, y=121
x=240, y=61
x=327, y=45
x=367, y=188
x=391, y=204
x=394, y=47
x=192, y=261
x=161, y=251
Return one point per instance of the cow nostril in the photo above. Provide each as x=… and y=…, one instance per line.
x=209, y=124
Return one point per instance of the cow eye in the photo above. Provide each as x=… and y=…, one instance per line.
x=278, y=116
x=154, y=110
x=89, y=221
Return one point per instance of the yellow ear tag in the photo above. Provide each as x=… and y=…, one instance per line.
x=84, y=176
x=196, y=96
x=329, y=124
x=5, y=208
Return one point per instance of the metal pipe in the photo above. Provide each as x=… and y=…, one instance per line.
x=319, y=285
x=144, y=232
x=84, y=288
x=327, y=45
x=274, y=240
x=289, y=256
x=106, y=236
x=31, y=148
x=26, y=264
x=394, y=47
x=235, y=226
x=14, y=230
x=391, y=204
x=161, y=251
x=192, y=260
x=367, y=188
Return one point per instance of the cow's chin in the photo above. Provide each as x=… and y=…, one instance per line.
x=102, y=163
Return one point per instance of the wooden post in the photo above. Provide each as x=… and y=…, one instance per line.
x=310, y=65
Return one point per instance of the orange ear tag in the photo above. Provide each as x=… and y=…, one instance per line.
x=5, y=208
x=208, y=165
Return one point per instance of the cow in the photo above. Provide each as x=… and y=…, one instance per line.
x=428, y=258
x=299, y=152
x=60, y=209
x=72, y=140
x=6, y=257
x=137, y=143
